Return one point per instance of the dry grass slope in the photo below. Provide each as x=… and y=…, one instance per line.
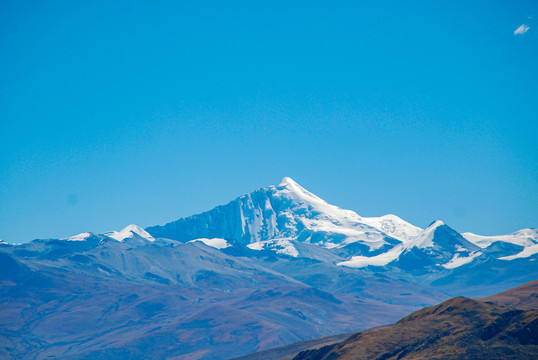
x=459, y=328
x=522, y=297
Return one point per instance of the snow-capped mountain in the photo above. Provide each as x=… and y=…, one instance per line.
x=129, y=232
x=289, y=212
x=289, y=220
x=279, y=217
x=437, y=245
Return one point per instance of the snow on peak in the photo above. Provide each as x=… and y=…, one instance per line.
x=287, y=181
x=306, y=210
x=316, y=215
x=128, y=232
x=138, y=230
x=214, y=243
x=378, y=260
x=435, y=224
x=79, y=237
x=293, y=190
x=280, y=246
x=425, y=237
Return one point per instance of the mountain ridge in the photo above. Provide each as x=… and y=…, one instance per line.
x=273, y=216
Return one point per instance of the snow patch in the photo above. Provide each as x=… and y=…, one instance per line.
x=256, y=246
x=280, y=246
x=525, y=253
x=216, y=243
x=378, y=260
x=458, y=261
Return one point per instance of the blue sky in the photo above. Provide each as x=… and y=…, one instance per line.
x=114, y=113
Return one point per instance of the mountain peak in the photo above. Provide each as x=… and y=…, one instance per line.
x=292, y=189
x=425, y=239
x=288, y=182
x=133, y=227
x=435, y=224
x=128, y=231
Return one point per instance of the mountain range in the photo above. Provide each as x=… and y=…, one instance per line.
x=272, y=267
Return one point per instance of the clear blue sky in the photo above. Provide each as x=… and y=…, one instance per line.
x=114, y=113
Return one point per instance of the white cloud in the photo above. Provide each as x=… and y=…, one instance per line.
x=522, y=29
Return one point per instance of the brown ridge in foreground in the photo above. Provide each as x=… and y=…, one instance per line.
x=459, y=328
x=521, y=297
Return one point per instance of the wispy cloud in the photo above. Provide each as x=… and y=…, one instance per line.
x=522, y=29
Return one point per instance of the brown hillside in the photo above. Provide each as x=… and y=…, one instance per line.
x=459, y=328
x=522, y=297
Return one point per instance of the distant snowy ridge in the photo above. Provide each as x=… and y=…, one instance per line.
x=79, y=237
x=523, y=237
x=290, y=220
x=128, y=232
x=424, y=239
x=437, y=241
x=280, y=217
